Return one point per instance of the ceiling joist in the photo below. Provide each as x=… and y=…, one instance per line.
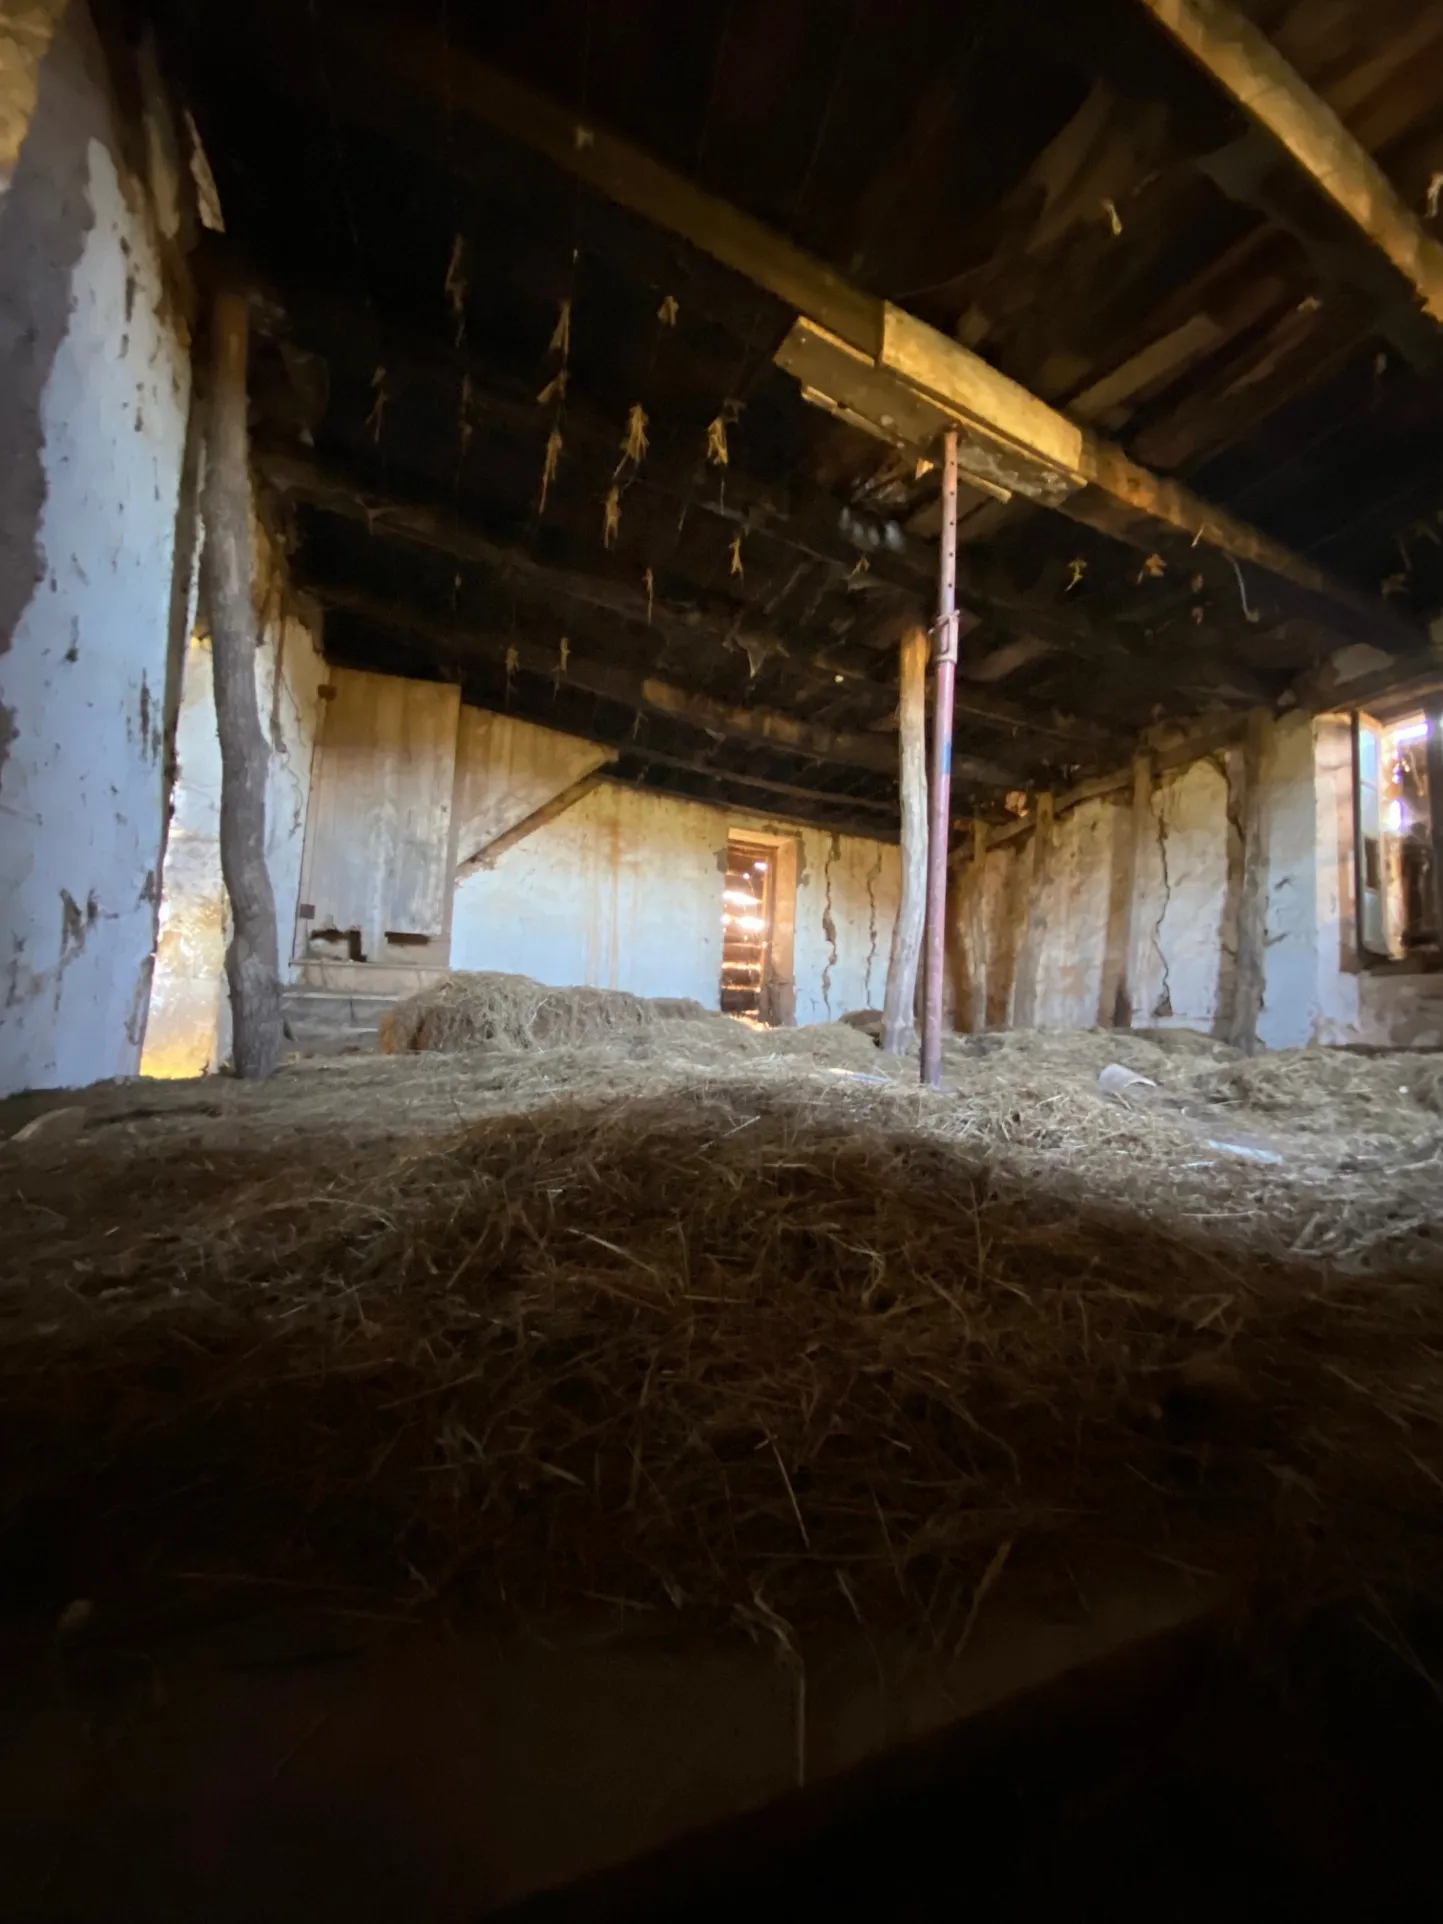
x=1083, y=474
x=1245, y=63
x=646, y=694
x=305, y=479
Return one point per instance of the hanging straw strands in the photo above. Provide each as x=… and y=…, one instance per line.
x=634, y=446
x=553, y=395
x=550, y=466
x=561, y=334
x=458, y=286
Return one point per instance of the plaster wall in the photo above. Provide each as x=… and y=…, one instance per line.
x=624, y=891
x=1180, y=909
x=189, y=1028
x=94, y=406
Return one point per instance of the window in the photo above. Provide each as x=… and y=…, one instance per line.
x=1397, y=855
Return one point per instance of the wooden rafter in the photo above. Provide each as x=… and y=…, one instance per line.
x=725, y=721
x=1246, y=64
x=1092, y=478
x=423, y=526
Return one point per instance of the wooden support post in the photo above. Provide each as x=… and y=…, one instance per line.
x=1434, y=713
x=251, y=963
x=980, y=945
x=941, y=815
x=1138, y=932
x=1124, y=961
x=899, y=1020
x=1034, y=934
x=1253, y=897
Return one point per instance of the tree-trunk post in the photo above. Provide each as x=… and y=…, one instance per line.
x=900, y=1010
x=252, y=963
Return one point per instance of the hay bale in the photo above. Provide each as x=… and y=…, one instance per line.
x=489, y=1010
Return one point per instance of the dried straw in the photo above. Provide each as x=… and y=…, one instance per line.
x=684, y=1326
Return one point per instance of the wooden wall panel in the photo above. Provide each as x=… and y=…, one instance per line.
x=378, y=845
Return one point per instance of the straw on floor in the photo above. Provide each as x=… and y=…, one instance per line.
x=653, y=1325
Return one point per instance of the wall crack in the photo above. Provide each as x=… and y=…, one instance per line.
x=874, y=875
x=1163, y=1006
x=829, y=925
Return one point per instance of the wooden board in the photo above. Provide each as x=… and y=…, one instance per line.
x=1244, y=62
x=378, y=836
x=506, y=770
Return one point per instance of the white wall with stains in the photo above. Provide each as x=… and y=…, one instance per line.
x=1184, y=879
x=624, y=891
x=1188, y=882
x=94, y=404
x=189, y=1028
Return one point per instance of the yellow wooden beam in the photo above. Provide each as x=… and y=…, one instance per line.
x=1246, y=64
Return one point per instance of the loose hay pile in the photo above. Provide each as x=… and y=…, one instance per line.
x=689, y=1334
x=489, y=1011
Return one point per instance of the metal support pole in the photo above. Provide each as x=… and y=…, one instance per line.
x=941, y=809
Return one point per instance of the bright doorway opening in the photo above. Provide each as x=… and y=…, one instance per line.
x=748, y=919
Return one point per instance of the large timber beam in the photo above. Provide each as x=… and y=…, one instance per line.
x=1246, y=64
x=419, y=525
x=724, y=721
x=870, y=361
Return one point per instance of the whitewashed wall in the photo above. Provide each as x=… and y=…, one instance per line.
x=189, y=1027
x=94, y=402
x=624, y=891
x=1181, y=902
x=1187, y=879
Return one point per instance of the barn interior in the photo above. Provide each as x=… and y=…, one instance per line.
x=720, y=1082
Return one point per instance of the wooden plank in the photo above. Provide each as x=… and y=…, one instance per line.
x=491, y=852
x=1248, y=67
x=1248, y=972
x=252, y=961
x=900, y=1006
x=1162, y=359
x=507, y=769
x=380, y=824
x=452, y=642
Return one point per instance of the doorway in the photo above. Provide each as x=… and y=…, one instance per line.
x=748, y=921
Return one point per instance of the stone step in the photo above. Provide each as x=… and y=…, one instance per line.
x=321, y=1023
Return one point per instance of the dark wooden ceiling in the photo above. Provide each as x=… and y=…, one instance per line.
x=1054, y=183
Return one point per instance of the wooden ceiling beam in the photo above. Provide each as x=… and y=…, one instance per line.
x=1247, y=66
x=895, y=360
x=302, y=478
x=647, y=694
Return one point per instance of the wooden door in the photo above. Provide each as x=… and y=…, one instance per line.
x=378, y=835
